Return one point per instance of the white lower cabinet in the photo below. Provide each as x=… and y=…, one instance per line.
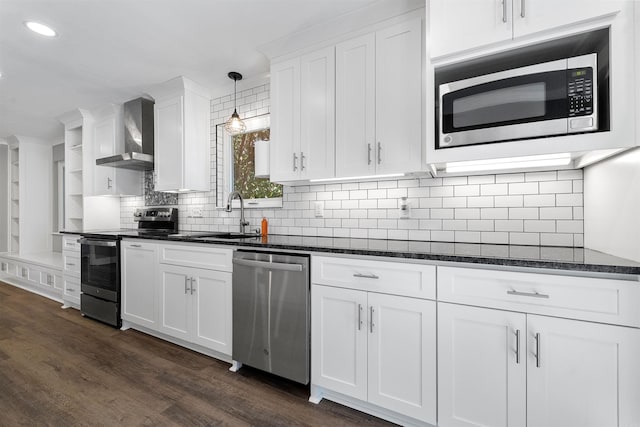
x=138, y=271
x=481, y=373
x=375, y=347
x=500, y=368
x=164, y=292
x=195, y=305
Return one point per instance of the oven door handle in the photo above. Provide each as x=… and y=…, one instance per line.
x=93, y=242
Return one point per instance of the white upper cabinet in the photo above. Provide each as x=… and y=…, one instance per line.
x=460, y=25
x=182, y=136
x=457, y=25
x=379, y=102
x=355, y=107
x=108, y=140
x=303, y=117
x=399, y=98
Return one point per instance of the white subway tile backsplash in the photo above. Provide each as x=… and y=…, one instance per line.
x=523, y=188
x=494, y=189
x=556, y=187
x=519, y=208
x=556, y=213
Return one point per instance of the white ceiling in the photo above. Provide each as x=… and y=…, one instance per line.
x=111, y=50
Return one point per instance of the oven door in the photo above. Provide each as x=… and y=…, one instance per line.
x=100, y=268
x=514, y=104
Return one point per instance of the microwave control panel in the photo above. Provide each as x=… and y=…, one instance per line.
x=580, y=91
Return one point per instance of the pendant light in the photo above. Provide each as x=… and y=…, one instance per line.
x=234, y=125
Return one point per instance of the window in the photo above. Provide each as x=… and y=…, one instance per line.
x=238, y=167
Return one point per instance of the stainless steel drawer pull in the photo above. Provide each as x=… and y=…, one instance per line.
x=366, y=276
x=527, y=294
x=538, y=350
x=518, y=346
x=71, y=290
x=186, y=279
x=136, y=246
x=191, y=280
x=504, y=11
x=268, y=265
x=359, y=316
x=522, y=11
x=70, y=264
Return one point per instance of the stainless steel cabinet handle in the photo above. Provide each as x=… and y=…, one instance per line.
x=537, y=350
x=366, y=276
x=522, y=13
x=518, y=346
x=504, y=11
x=368, y=154
x=379, y=152
x=70, y=264
x=359, y=316
x=295, y=162
x=371, y=317
x=191, y=287
x=71, y=290
x=527, y=294
x=136, y=246
x=301, y=161
x=109, y=183
x=268, y=265
x=186, y=279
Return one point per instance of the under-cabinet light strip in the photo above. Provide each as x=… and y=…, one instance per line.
x=562, y=159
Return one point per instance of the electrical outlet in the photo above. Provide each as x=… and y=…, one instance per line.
x=318, y=209
x=195, y=212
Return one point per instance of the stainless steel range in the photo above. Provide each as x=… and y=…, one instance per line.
x=100, y=262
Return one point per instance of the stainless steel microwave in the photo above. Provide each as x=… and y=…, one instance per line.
x=547, y=99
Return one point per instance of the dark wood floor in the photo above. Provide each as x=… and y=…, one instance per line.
x=58, y=368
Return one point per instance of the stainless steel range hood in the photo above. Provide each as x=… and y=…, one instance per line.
x=138, y=137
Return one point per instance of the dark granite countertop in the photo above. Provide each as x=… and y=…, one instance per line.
x=551, y=257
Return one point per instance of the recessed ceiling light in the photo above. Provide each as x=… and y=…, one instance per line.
x=41, y=29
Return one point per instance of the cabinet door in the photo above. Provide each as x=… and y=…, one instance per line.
x=530, y=16
x=175, y=303
x=402, y=355
x=285, y=121
x=481, y=380
x=211, y=295
x=169, y=143
x=139, y=264
x=582, y=374
x=339, y=340
x=399, y=98
x=457, y=25
x=317, y=110
x=355, y=107
x=104, y=134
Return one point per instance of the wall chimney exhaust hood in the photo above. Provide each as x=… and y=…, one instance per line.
x=138, y=137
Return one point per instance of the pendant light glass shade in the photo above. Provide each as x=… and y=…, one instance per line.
x=235, y=125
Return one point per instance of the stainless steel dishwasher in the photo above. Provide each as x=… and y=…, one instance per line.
x=271, y=314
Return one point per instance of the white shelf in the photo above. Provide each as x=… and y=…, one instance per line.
x=76, y=171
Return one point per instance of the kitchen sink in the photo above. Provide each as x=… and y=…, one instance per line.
x=224, y=235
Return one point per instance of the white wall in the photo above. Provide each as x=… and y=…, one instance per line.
x=612, y=205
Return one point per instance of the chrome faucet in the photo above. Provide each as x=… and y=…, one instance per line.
x=237, y=195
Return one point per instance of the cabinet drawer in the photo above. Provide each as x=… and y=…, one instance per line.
x=197, y=256
x=414, y=280
x=71, y=263
x=600, y=300
x=70, y=243
x=72, y=288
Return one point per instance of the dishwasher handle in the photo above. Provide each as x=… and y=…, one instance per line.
x=268, y=265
